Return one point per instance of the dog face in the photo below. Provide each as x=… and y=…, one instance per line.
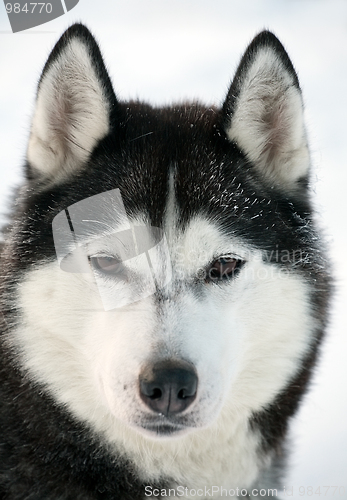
x=185, y=302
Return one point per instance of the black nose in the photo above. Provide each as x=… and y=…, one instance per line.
x=168, y=387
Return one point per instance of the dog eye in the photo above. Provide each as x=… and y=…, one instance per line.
x=224, y=268
x=107, y=265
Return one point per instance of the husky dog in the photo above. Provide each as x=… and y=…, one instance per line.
x=164, y=291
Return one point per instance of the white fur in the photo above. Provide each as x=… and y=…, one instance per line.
x=267, y=123
x=71, y=114
x=246, y=339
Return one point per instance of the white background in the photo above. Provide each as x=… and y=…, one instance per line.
x=161, y=50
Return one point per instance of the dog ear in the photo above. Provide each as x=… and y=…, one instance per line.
x=263, y=114
x=74, y=103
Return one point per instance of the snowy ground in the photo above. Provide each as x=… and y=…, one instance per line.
x=158, y=51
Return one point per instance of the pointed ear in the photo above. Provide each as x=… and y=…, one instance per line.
x=73, y=106
x=263, y=114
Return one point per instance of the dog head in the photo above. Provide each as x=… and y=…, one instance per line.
x=164, y=251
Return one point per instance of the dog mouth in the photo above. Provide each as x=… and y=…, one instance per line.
x=165, y=430
x=162, y=430
x=163, y=427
